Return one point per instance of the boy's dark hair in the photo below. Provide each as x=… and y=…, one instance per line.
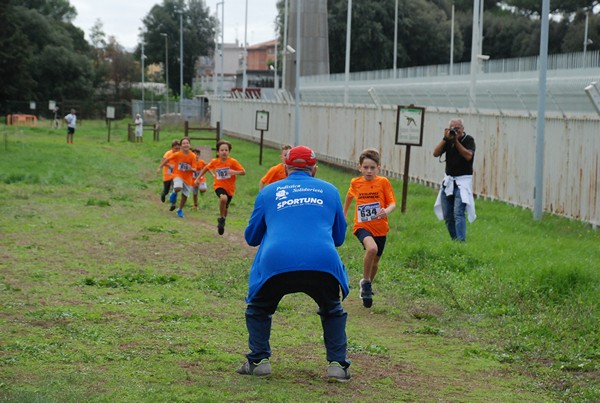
x=175, y=143
x=221, y=142
x=371, y=154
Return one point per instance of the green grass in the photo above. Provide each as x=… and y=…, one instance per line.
x=107, y=296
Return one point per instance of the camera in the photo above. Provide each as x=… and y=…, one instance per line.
x=453, y=131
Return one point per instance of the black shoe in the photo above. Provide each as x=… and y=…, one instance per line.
x=366, y=293
x=173, y=207
x=221, y=225
x=163, y=197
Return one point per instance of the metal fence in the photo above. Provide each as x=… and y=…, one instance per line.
x=501, y=86
x=197, y=110
x=504, y=161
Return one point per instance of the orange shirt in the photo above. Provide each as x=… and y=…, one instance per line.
x=221, y=170
x=184, y=166
x=274, y=174
x=167, y=170
x=371, y=196
x=199, y=165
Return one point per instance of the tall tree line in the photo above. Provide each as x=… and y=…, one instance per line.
x=511, y=28
x=44, y=56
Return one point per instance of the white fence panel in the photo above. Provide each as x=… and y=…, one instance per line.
x=504, y=160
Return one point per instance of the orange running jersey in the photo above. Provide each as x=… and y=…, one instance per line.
x=274, y=174
x=221, y=171
x=199, y=165
x=167, y=170
x=184, y=166
x=370, y=197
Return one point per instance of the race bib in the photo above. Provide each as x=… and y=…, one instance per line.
x=222, y=173
x=183, y=167
x=367, y=212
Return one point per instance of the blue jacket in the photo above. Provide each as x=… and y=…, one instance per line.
x=298, y=223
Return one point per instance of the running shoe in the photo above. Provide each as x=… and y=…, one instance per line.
x=337, y=373
x=261, y=368
x=221, y=225
x=366, y=293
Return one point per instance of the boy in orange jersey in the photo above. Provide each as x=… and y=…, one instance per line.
x=184, y=164
x=277, y=172
x=201, y=185
x=167, y=170
x=375, y=200
x=225, y=170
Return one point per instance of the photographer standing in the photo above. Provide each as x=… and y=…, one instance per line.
x=456, y=190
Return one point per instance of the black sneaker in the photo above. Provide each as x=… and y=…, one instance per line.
x=221, y=225
x=172, y=208
x=338, y=373
x=163, y=197
x=366, y=293
x=261, y=368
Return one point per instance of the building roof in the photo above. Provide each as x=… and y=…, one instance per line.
x=267, y=44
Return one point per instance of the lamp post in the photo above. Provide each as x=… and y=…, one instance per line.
x=285, y=44
x=221, y=92
x=298, y=62
x=180, y=58
x=395, y=39
x=348, y=38
x=245, y=58
x=166, y=67
x=143, y=78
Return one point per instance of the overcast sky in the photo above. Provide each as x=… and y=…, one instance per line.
x=123, y=18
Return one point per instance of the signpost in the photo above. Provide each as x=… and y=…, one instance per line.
x=409, y=132
x=110, y=114
x=262, y=124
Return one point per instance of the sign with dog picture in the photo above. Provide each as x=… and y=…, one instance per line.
x=409, y=125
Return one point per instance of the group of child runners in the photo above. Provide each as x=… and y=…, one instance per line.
x=184, y=172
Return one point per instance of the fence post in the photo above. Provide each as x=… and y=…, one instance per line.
x=218, y=131
x=186, y=128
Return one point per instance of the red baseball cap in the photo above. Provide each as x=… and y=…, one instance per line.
x=301, y=157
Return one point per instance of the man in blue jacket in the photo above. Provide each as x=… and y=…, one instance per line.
x=298, y=223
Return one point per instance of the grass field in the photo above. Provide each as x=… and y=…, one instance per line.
x=105, y=295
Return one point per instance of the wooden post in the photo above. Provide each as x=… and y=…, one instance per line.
x=405, y=179
x=262, y=132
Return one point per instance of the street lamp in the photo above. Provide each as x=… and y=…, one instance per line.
x=143, y=85
x=180, y=57
x=245, y=59
x=222, y=3
x=166, y=67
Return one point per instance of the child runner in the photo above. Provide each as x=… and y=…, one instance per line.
x=277, y=172
x=184, y=165
x=201, y=186
x=167, y=170
x=225, y=169
x=375, y=200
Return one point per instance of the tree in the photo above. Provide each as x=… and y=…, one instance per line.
x=121, y=70
x=35, y=48
x=198, y=36
x=423, y=34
